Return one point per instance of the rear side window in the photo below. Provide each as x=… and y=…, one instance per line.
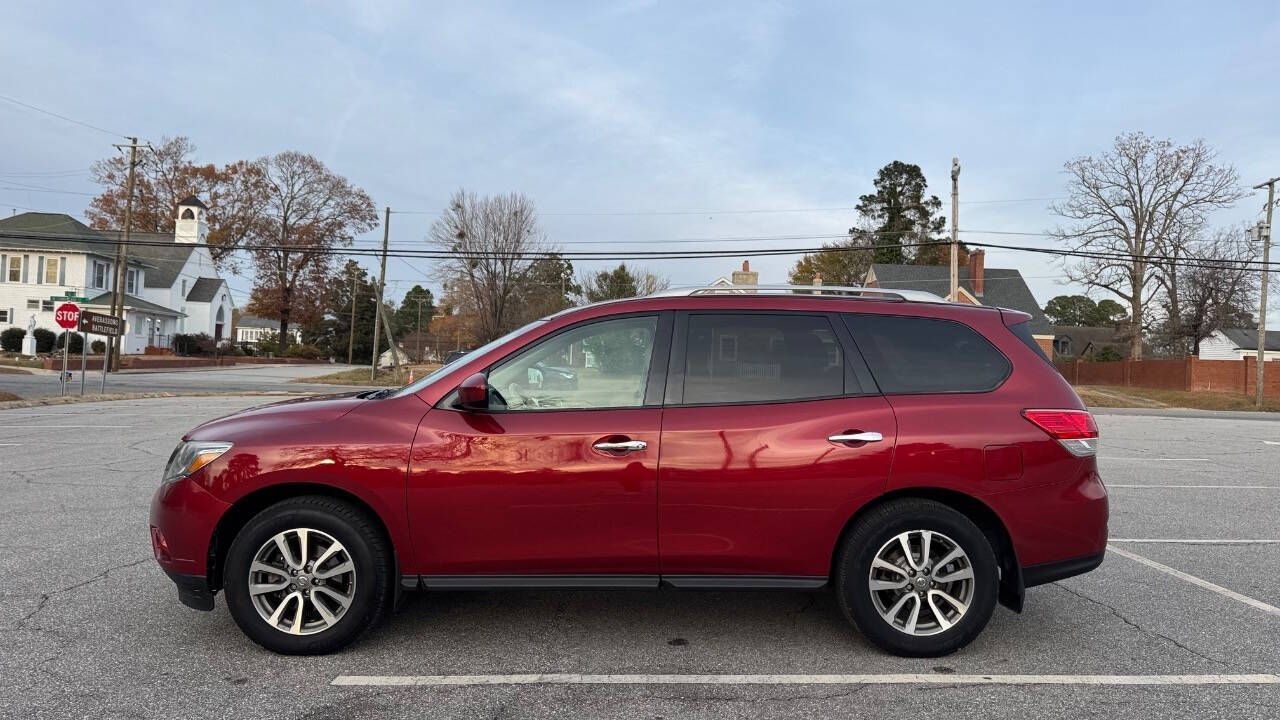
x=1023, y=332
x=761, y=358
x=927, y=355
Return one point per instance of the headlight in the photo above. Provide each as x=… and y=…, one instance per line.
x=189, y=457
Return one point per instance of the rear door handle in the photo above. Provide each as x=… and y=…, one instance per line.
x=860, y=437
x=622, y=447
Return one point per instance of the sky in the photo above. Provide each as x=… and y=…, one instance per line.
x=636, y=123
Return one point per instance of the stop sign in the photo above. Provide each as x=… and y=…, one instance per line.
x=67, y=315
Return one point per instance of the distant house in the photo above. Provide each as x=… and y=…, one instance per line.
x=1236, y=343
x=402, y=357
x=1070, y=341
x=251, y=328
x=978, y=285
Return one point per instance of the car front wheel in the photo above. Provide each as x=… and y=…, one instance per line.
x=308, y=575
x=918, y=578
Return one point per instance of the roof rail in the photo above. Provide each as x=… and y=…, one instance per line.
x=832, y=291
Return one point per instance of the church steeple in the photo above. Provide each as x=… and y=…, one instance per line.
x=191, y=225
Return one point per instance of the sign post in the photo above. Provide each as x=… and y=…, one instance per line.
x=92, y=323
x=68, y=317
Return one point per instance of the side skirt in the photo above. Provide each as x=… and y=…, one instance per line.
x=629, y=582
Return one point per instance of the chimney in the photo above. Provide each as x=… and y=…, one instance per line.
x=745, y=276
x=976, y=267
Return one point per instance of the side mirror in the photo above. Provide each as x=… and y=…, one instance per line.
x=473, y=393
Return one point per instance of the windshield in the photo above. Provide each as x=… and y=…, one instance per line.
x=439, y=372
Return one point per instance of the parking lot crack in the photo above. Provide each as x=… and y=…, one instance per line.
x=1141, y=629
x=46, y=596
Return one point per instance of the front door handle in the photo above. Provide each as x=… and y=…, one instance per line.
x=859, y=437
x=626, y=446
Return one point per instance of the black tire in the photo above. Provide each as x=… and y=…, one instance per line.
x=365, y=542
x=882, y=524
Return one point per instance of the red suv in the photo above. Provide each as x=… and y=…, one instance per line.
x=920, y=457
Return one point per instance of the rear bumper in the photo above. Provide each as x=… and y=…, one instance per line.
x=1043, y=573
x=1054, y=524
x=193, y=590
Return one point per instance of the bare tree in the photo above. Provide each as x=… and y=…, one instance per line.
x=305, y=210
x=1134, y=202
x=496, y=240
x=1218, y=290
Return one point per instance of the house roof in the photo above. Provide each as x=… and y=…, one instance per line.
x=133, y=303
x=253, y=321
x=166, y=257
x=1002, y=287
x=1247, y=338
x=53, y=231
x=193, y=201
x=204, y=289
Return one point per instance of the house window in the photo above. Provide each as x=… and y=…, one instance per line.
x=100, y=275
x=4, y=316
x=131, y=282
x=33, y=304
x=51, y=271
x=46, y=305
x=15, y=269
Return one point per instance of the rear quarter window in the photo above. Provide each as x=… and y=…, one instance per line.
x=912, y=355
x=1023, y=332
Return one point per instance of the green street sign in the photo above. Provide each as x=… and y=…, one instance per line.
x=69, y=298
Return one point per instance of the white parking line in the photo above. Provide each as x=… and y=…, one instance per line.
x=887, y=679
x=1256, y=604
x=64, y=427
x=1155, y=459
x=1198, y=487
x=1192, y=541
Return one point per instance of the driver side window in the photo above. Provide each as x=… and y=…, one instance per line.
x=598, y=365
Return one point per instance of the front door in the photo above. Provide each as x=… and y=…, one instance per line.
x=773, y=436
x=559, y=477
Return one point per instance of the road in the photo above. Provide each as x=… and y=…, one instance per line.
x=90, y=627
x=240, y=378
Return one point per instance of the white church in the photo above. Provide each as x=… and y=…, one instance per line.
x=171, y=285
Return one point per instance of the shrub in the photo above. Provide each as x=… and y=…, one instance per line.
x=97, y=347
x=247, y=349
x=306, y=352
x=11, y=339
x=1106, y=354
x=77, y=342
x=44, y=340
x=269, y=343
x=196, y=344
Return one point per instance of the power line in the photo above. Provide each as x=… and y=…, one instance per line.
x=739, y=211
x=61, y=117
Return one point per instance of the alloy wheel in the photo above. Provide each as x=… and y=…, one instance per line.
x=921, y=582
x=302, y=581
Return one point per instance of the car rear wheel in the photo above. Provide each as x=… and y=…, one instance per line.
x=917, y=578
x=308, y=575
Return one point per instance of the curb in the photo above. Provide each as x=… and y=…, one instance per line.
x=77, y=399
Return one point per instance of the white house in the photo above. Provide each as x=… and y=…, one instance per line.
x=1238, y=343
x=251, y=328
x=171, y=284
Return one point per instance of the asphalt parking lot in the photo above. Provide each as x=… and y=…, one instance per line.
x=1182, y=620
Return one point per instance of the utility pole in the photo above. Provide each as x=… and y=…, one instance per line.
x=1265, y=231
x=351, y=339
x=955, y=229
x=382, y=282
x=118, y=277
x=419, y=356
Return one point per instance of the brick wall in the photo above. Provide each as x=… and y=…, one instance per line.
x=1186, y=374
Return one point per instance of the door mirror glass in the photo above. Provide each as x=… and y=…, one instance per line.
x=473, y=393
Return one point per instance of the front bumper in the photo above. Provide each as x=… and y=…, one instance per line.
x=193, y=590
x=183, y=519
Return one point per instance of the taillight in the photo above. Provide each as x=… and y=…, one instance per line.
x=1075, y=430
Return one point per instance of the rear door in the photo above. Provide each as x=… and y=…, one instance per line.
x=773, y=435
